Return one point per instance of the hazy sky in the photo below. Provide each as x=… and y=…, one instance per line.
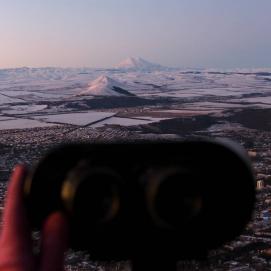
x=101, y=33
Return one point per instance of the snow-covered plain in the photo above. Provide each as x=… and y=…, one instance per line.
x=23, y=109
x=81, y=119
x=22, y=124
x=39, y=94
x=125, y=121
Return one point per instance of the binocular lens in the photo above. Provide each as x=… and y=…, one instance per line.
x=95, y=193
x=173, y=198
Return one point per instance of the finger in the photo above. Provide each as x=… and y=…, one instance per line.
x=54, y=242
x=16, y=230
x=15, y=238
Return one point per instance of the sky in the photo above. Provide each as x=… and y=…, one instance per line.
x=101, y=33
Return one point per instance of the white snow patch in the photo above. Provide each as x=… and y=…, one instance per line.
x=22, y=124
x=8, y=100
x=76, y=118
x=24, y=109
x=252, y=100
x=125, y=122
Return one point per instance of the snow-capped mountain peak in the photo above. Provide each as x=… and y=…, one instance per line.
x=106, y=86
x=103, y=80
x=137, y=63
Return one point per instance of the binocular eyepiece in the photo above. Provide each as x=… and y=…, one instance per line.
x=96, y=189
x=174, y=200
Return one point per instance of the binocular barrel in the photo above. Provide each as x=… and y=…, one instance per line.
x=173, y=200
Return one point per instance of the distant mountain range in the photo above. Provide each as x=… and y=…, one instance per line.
x=106, y=86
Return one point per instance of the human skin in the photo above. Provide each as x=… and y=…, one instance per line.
x=16, y=247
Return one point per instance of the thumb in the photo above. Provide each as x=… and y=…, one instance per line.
x=54, y=242
x=16, y=232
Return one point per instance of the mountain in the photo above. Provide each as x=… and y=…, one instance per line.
x=106, y=86
x=137, y=63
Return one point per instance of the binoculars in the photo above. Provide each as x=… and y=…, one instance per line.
x=145, y=202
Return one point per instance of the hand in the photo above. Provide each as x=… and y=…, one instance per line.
x=16, y=250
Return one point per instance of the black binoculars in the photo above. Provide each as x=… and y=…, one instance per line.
x=145, y=201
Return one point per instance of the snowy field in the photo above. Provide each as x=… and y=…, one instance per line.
x=9, y=124
x=81, y=119
x=33, y=97
x=125, y=121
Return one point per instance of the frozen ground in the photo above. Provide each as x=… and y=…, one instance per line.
x=81, y=119
x=125, y=121
x=21, y=124
x=33, y=97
